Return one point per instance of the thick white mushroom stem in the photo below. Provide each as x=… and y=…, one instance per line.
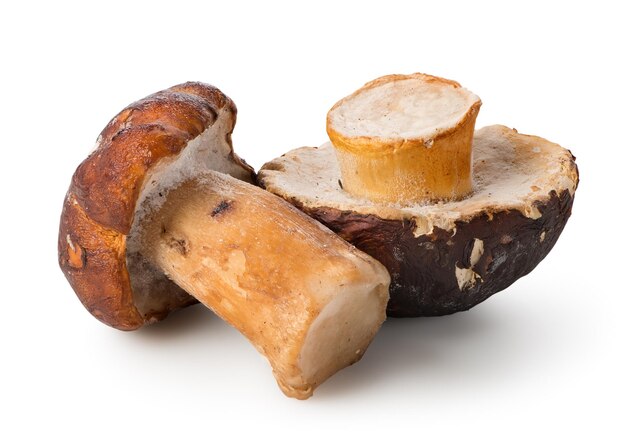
x=405, y=139
x=307, y=300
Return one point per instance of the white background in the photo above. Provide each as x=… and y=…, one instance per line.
x=542, y=361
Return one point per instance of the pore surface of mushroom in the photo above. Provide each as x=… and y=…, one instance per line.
x=160, y=215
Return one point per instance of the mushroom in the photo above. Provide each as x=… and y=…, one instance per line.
x=395, y=182
x=164, y=213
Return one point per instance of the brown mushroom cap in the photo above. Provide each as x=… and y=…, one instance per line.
x=448, y=256
x=161, y=139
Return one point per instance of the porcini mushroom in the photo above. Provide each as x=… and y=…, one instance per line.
x=160, y=215
x=395, y=182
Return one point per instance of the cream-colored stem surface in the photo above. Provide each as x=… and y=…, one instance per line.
x=408, y=171
x=310, y=302
x=405, y=139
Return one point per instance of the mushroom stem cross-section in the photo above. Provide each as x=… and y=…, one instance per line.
x=405, y=139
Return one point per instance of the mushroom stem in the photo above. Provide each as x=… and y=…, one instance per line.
x=307, y=300
x=405, y=139
x=429, y=171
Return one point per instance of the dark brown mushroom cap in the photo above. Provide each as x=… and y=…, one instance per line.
x=149, y=135
x=450, y=256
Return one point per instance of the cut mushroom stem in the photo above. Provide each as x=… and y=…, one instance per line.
x=307, y=300
x=405, y=139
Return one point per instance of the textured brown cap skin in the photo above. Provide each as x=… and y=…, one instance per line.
x=100, y=204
